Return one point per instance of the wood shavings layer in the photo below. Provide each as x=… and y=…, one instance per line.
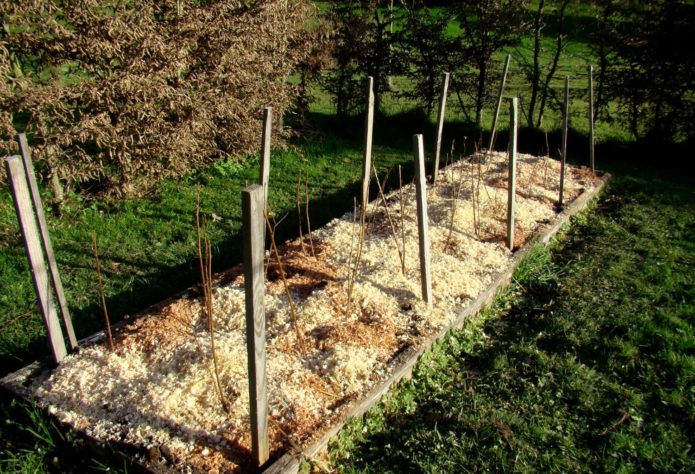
x=156, y=391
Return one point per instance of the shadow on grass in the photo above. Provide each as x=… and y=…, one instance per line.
x=586, y=365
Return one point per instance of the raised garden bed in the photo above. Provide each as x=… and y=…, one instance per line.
x=154, y=396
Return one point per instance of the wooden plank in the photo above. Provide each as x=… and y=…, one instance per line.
x=565, y=130
x=265, y=152
x=592, y=140
x=422, y=220
x=34, y=251
x=290, y=461
x=440, y=126
x=46, y=238
x=367, y=149
x=253, y=232
x=511, y=187
x=500, y=94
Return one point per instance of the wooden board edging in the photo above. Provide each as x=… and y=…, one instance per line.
x=290, y=461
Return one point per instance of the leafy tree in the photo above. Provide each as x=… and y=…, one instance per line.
x=120, y=94
x=650, y=71
x=539, y=75
x=427, y=51
x=363, y=43
x=487, y=26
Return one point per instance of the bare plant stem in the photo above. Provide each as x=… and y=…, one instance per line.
x=388, y=215
x=375, y=206
x=281, y=269
x=475, y=197
x=205, y=259
x=308, y=221
x=101, y=291
x=456, y=192
x=402, y=202
x=352, y=242
x=446, y=161
x=356, y=267
x=451, y=157
x=299, y=210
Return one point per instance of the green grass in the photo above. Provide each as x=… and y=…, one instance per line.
x=587, y=363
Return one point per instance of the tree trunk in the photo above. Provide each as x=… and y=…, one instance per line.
x=480, y=94
x=559, y=47
x=536, y=73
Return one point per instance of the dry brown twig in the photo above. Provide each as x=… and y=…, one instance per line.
x=475, y=201
x=299, y=211
x=456, y=193
x=101, y=291
x=352, y=241
x=354, y=271
x=281, y=269
x=375, y=204
x=402, y=204
x=308, y=220
x=205, y=261
x=388, y=216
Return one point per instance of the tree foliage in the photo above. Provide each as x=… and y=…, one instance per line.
x=362, y=46
x=124, y=93
x=487, y=27
x=649, y=66
x=540, y=75
x=427, y=52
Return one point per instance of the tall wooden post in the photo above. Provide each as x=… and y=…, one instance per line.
x=34, y=250
x=592, y=140
x=511, y=187
x=45, y=237
x=440, y=126
x=422, y=220
x=253, y=232
x=493, y=132
x=265, y=152
x=565, y=130
x=367, y=150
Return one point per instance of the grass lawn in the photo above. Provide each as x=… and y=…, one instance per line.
x=586, y=364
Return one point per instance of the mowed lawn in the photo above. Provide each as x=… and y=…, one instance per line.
x=586, y=364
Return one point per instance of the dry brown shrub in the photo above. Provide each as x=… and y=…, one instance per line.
x=125, y=93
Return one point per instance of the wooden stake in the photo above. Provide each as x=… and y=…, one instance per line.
x=34, y=251
x=511, y=188
x=440, y=126
x=265, y=152
x=253, y=236
x=45, y=237
x=422, y=221
x=402, y=203
x=367, y=155
x=592, y=140
x=493, y=132
x=565, y=129
x=102, y=297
